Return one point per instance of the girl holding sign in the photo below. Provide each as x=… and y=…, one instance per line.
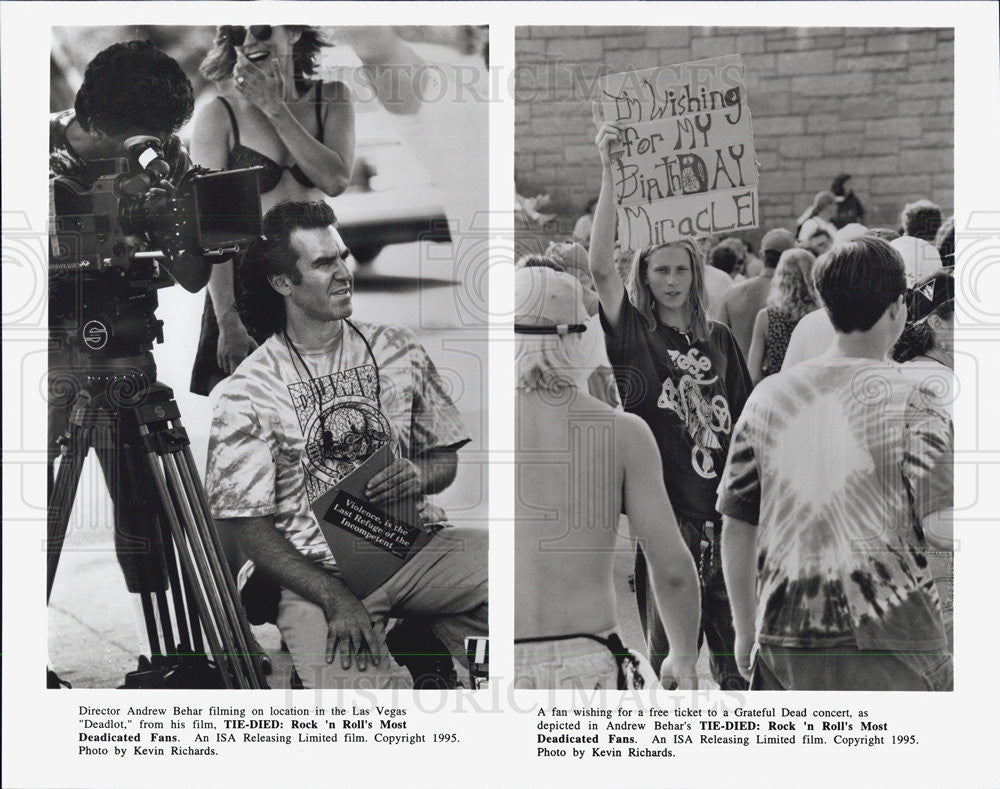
x=685, y=376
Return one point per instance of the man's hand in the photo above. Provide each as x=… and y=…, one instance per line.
x=351, y=633
x=742, y=650
x=235, y=344
x=400, y=479
x=678, y=673
x=432, y=517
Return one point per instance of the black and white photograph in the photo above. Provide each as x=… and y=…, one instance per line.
x=259, y=227
x=435, y=393
x=736, y=269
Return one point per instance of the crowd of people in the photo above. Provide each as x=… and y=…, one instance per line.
x=804, y=438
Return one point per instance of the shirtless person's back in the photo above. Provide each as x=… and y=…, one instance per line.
x=578, y=462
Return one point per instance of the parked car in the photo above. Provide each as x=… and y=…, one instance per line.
x=390, y=201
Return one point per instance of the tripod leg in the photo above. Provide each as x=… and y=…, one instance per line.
x=197, y=639
x=205, y=575
x=149, y=616
x=188, y=565
x=61, y=496
x=220, y=569
x=181, y=608
x=170, y=645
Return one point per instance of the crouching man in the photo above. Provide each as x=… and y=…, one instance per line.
x=308, y=407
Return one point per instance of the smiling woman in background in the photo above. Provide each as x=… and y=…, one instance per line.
x=271, y=112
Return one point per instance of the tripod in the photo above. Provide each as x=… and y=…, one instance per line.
x=165, y=538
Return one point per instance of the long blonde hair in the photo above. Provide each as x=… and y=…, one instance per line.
x=642, y=299
x=792, y=290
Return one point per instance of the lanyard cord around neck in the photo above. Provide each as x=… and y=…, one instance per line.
x=312, y=379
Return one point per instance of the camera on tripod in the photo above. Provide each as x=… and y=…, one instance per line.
x=108, y=238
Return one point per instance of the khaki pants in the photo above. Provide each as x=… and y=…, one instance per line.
x=445, y=584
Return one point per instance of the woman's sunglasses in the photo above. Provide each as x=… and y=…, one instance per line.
x=236, y=35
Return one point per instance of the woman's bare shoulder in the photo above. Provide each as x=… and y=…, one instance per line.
x=336, y=90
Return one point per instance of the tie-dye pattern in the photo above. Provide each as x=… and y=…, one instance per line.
x=266, y=451
x=837, y=460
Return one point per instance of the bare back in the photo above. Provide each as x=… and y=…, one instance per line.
x=569, y=499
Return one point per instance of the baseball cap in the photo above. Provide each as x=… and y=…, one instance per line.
x=546, y=297
x=778, y=240
x=920, y=259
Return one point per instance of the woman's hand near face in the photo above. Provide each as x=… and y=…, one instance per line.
x=262, y=87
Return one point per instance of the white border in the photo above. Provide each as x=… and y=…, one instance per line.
x=957, y=730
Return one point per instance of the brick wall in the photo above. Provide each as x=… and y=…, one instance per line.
x=873, y=102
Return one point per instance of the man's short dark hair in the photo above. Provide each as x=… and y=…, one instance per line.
x=858, y=280
x=261, y=307
x=921, y=220
x=724, y=257
x=134, y=85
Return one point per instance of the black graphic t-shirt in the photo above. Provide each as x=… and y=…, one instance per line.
x=689, y=393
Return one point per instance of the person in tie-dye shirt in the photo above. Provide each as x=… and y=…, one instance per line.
x=319, y=396
x=839, y=476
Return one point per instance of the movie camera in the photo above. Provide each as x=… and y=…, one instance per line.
x=108, y=237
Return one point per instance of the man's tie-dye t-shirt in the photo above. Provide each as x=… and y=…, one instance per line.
x=267, y=452
x=837, y=460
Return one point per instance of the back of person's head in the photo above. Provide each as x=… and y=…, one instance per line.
x=922, y=336
x=774, y=243
x=792, y=290
x=133, y=86
x=823, y=200
x=725, y=257
x=920, y=259
x=261, y=307
x=837, y=187
x=550, y=301
x=849, y=232
x=945, y=241
x=921, y=220
x=885, y=233
x=574, y=260
x=858, y=281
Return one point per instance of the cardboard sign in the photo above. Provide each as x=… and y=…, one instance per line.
x=686, y=163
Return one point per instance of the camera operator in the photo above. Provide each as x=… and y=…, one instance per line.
x=129, y=89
